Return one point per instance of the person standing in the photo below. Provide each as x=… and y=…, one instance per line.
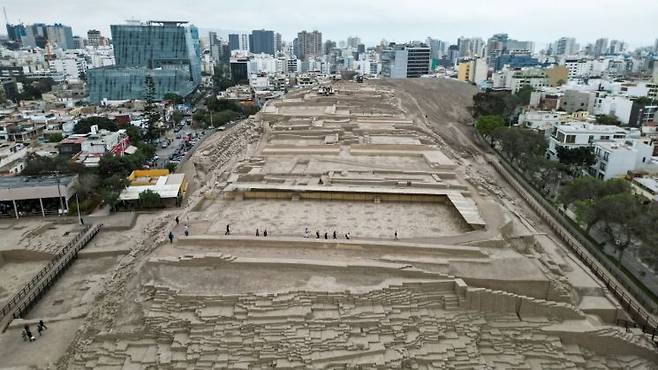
x=257, y=233
x=171, y=237
x=317, y=234
x=335, y=234
x=228, y=230
x=396, y=235
x=187, y=230
x=265, y=233
x=177, y=220
x=28, y=333
x=326, y=236
x=41, y=327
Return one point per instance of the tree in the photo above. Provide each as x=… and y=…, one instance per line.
x=607, y=119
x=524, y=94
x=152, y=116
x=486, y=125
x=149, y=199
x=177, y=116
x=175, y=98
x=171, y=167
x=576, y=158
x=620, y=213
x=134, y=133
x=499, y=103
x=55, y=138
x=84, y=125
x=580, y=189
x=222, y=77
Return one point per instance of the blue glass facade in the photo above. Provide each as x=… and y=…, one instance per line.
x=166, y=51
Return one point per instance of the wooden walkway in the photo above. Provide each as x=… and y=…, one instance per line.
x=43, y=279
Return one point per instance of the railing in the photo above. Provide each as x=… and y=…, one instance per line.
x=611, y=275
x=47, y=275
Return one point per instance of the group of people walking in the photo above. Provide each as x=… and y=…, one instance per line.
x=334, y=235
x=27, y=335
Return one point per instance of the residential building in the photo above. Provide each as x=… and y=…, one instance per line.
x=646, y=186
x=533, y=77
x=581, y=134
x=244, y=42
x=617, y=158
x=473, y=70
x=167, y=52
x=261, y=41
x=15, y=32
x=310, y=44
x=94, y=38
x=405, y=60
x=234, y=41
x=40, y=35
x=576, y=100
x=564, y=46
x=600, y=47
x=278, y=42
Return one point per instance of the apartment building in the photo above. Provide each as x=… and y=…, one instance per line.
x=579, y=134
x=615, y=158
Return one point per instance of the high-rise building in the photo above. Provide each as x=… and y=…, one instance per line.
x=244, y=42
x=278, y=42
x=310, y=44
x=261, y=41
x=405, y=61
x=78, y=42
x=93, y=38
x=616, y=47
x=655, y=46
x=329, y=46
x=437, y=47
x=565, y=46
x=353, y=42
x=15, y=32
x=40, y=35
x=234, y=41
x=167, y=52
x=600, y=47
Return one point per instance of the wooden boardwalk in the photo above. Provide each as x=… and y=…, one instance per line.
x=43, y=279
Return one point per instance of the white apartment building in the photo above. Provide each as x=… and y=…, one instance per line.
x=579, y=134
x=617, y=105
x=67, y=69
x=541, y=120
x=616, y=158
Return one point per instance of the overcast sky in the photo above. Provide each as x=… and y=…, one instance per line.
x=634, y=21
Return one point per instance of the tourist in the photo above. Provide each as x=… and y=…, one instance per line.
x=306, y=233
x=396, y=235
x=265, y=233
x=28, y=333
x=41, y=327
x=187, y=230
x=228, y=230
x=347, y=236
x=257, y=233
x=177, y=220
x=171, y=237
x=326, y=235
x=317, y=234
x=335, y=234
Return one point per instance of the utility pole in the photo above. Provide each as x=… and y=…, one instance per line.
x=59, y=192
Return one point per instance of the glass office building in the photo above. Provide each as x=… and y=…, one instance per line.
x=167, y=51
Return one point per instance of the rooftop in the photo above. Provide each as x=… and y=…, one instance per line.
x=16, y=182
x=583, y=127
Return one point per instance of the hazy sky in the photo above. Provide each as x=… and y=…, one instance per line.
x=634, y=21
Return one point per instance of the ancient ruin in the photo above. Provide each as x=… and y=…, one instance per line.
x=391, y=243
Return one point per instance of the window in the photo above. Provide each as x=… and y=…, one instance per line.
x=606, y=156
x=602, y=166
x=571, y=139
x=590, y=139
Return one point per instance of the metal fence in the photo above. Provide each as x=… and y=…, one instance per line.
x=36, y=287
x=611, y=275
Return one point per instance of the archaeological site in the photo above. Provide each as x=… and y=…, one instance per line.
x=360, y=226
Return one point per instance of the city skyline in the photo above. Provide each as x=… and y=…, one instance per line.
x=415, y=21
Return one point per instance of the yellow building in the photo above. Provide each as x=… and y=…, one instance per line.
x=171, y=187
x=464, y=71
